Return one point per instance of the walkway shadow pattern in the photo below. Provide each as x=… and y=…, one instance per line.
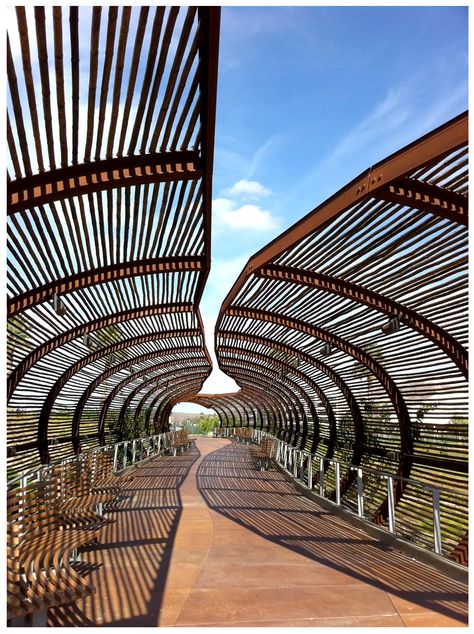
x=130, y=563
x=269, y=505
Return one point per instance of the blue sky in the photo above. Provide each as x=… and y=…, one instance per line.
x=308, y=98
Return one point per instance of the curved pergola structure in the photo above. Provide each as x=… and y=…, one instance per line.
x=359, y=312
x=111, y=116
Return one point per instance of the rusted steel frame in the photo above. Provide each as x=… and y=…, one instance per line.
x=102, y=175
x=271, y=404
x=103, y=352
x=322, y=367
x=429, y=148
x=120, y=386
x=177, y=389
x=427, y=197
x=292, y=401
x=102, y=275
x=394, y=394
x=450, y=346
x=56, y=342
x=272, y=396
x=195, y=371
x=253, y=393
x=301, y=391
x=209, y=26
x=48, y=403
x=175, y=373
x=326, y=404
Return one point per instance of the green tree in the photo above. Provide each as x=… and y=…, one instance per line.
x=17, y=337
x=207, y=423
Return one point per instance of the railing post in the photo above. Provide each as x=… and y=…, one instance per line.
x=436, y=522
x=125, y=445
x=295, y=462
x=321, y=477
x=115, y=457
x=134, y=450
x=310, y=472
x=338, y=482
x=391, y=505
x=360, y=493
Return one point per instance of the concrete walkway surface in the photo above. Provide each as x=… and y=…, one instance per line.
x=203, y=539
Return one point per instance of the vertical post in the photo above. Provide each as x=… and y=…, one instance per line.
x=391, y=505
x=125, y=444
x=360, y=493
x=436, y=522
x=337, y=468
x=310, y=472
x=321, y=477
x=134, y=450
x=115, y=457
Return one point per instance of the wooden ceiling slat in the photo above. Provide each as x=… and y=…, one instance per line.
x=17, y=111
x=118, y=73
x=60, y=93
x=29, y=83
x=45, y=86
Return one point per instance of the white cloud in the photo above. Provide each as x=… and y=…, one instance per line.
x=227, y=213
x=248, y=189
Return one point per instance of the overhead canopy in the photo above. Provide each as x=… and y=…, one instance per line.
x=348, y=333
x=110, y=134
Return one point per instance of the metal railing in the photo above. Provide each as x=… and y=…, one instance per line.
x=126, y=453
x=299, y=463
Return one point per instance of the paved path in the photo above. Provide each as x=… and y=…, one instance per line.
x=205, y=540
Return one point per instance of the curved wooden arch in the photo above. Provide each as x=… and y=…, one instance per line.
x=56, y=342
x=443, y=340
x=375, y=182
x=120, y=386
x=394, y=394
x=49, y=401
x=103, y=275
x=334, y=376
x=293, y=403
x=102, y=175
x=326, y=404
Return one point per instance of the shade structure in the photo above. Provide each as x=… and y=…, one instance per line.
x=348, y=333
x=110, y=134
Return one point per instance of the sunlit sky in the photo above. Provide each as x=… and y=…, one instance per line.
x=308, y=98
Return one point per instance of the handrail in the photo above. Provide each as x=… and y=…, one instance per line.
x=292, y=460
x=159, y=442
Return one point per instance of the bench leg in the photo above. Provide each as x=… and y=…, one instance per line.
x=39, y=619
x=17, y=621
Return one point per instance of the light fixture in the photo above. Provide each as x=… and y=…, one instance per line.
x=393, y=325
x=86, y=340
x=58, y=306
x=326, y=349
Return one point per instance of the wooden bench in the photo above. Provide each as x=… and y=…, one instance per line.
x=244, y=434
x=180, y=441
x=263, y=453
x=40, y=553
x=79, y=504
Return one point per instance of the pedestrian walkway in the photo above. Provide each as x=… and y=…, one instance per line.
x=203, y=539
